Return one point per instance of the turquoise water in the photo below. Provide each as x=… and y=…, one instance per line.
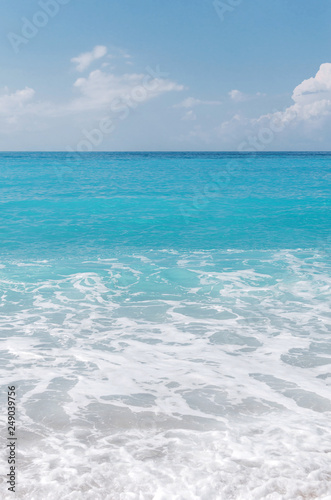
x=166, y=319
x=100, y=202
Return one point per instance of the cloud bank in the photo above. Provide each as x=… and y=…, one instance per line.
x=304, y=123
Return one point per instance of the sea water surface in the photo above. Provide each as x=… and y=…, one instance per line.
x=165, y=318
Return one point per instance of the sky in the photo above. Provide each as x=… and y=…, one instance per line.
x=155, y=75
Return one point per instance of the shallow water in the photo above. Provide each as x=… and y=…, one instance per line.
x=166, y=320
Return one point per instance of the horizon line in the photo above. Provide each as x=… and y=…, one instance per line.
x=73, y=153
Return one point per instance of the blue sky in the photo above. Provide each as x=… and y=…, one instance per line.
x=155, y=75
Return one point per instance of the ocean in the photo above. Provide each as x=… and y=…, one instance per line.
x=165, y=319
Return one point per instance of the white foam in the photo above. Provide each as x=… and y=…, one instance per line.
x=179, y=375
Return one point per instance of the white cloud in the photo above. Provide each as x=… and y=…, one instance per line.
x=315, y=85
x=191, y=102
x=84, y=60
x=312, y=101
x=100, y=89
